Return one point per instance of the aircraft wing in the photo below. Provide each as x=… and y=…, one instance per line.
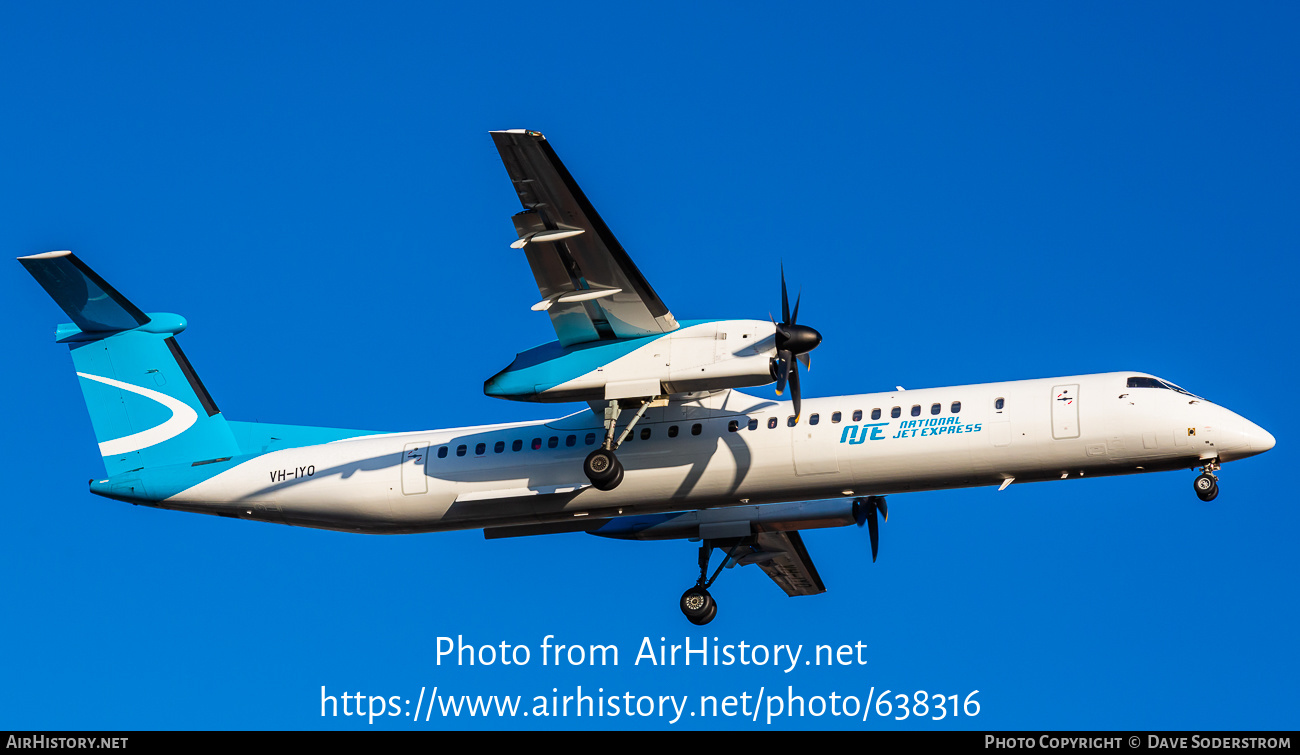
x=782, y=556
x=589, y=285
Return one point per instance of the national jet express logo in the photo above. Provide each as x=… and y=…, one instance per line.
x=909, y=428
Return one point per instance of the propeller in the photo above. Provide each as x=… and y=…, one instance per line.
x=793, y=342
x=864, y=511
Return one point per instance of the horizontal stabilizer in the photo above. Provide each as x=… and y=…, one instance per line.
x=89, y=301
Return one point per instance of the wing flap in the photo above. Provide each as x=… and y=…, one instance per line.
x=782, y=556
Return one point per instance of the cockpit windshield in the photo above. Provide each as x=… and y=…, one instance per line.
x=1138, y=381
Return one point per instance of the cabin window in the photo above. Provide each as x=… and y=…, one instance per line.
x=999, y=404
x=814, y=419
x=697, y=428
x=571, y=441
x=552, y=442
x=916, y=410
x=518, y=445
x=896, y=412
x=835, y=418
x=499, y=447
x=460, y=450
x=645, y=433
x=537, y=443
x=733, y=426
x=672, y=431
x=591, y=439
x=935, y=408
x=791, y=421
x=480, y=449
x=857, y=415
x=753, y=424
x=956, y=407
x=875, y=414
x=442, y=452
x=771, y=423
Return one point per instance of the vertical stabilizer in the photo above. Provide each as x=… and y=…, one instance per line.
x=146, y=403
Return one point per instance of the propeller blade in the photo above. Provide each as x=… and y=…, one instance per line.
x=807, y=360
x=794, y=316
x=785, y=299
x=873, y=526
x=884, y=508
x=794, y=390
x=782, y=371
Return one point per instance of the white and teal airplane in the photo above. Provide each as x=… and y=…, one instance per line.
x=669, y=446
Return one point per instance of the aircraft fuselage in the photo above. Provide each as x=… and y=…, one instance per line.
x=726, y=450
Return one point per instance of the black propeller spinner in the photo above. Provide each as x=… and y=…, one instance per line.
x=793, y=341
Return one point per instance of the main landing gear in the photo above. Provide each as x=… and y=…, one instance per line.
x=1207, y=484
x=601, y=466
x=698, y=605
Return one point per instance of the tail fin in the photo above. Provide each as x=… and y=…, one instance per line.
x=147, y=405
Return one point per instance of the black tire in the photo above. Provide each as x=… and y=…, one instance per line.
x=1207, y=487
x=1210, y=496
x=696, y=604
x=610, y=482
x=601, y=466
x=706, y=618
x=613, y=482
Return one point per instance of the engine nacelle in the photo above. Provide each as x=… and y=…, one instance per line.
x=698, y=356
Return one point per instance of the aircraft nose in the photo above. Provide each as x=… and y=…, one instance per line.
x=1261, y=440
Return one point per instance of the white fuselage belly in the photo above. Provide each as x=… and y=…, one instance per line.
x=389, y=484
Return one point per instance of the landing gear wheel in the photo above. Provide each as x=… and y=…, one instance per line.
x=698, y=605
x=611, y=484
x=713, y=611
x=1207, y=487
x=601, y=466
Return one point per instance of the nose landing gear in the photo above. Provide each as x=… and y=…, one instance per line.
x=1206, y=484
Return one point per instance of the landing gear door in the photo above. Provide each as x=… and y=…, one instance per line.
x=1065, y=411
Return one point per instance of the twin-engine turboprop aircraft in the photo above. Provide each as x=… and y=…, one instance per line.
x=669, y=448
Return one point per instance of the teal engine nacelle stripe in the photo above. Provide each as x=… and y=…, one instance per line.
x=546, y=367
x=700, y=355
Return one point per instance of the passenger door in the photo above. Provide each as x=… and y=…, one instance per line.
x=1065, y=411
x=414, y=457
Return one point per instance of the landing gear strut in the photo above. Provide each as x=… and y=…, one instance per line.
x=698, y=605
x=602, y=467
x=1206, y=484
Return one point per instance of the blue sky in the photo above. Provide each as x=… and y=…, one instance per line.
x=965, y=193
